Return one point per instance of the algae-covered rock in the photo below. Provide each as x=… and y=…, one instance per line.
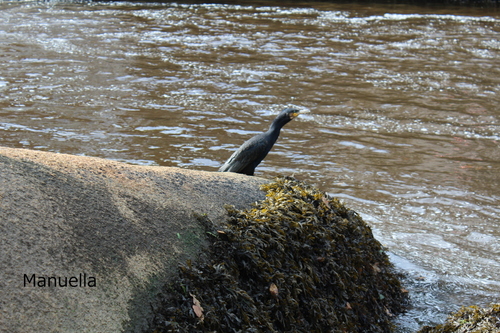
x=298, y=261
x=472, y=319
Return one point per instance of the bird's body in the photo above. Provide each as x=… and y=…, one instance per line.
x=253, y=151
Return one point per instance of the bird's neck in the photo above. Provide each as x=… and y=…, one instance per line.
x=274, y=130
x=277, y=124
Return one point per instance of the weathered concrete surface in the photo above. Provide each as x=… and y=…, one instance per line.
x=128, y=226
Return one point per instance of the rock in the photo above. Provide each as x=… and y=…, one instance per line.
x=298, y=261
x=86, y=243
x=469, y=319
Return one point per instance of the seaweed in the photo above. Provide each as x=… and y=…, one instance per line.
x=297, y=261
x=471, y=319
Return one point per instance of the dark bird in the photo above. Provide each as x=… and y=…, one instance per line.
x=253, y=151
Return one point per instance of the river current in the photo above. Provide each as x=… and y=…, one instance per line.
x=404, y=124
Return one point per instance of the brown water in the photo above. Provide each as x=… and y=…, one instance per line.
x=404, y=123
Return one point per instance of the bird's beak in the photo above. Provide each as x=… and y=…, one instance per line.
x=295, y=114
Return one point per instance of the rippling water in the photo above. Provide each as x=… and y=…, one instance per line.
x=404, y=123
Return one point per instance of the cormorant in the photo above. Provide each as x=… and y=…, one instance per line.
x=253, y=151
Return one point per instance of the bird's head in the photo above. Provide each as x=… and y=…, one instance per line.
x=285, y=116
x=292, y=113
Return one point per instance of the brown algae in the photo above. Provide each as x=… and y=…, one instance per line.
x=471, y=319
x=298, y=261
